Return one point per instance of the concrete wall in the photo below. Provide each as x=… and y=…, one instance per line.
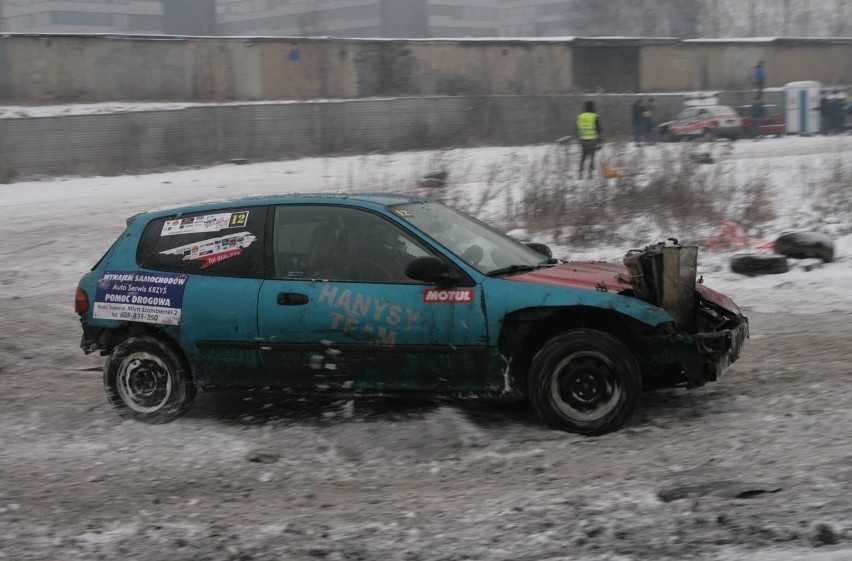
x=718, y=65
x=38, y=69
x=145, y=141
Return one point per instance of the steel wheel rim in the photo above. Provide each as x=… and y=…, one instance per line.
x=144, y=383
x=585, y=386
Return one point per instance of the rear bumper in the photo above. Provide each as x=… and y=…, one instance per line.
x=773, y=129
x=95, y=339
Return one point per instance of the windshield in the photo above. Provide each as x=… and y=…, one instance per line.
x=477, y=244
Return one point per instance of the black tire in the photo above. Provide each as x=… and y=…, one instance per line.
x=753, y=264
x=147, y=379
x=804, y=245
x=585, y=381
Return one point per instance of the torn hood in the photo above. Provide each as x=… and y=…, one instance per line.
x=604, y=277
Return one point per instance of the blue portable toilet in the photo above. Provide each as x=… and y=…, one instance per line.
x=801, y=107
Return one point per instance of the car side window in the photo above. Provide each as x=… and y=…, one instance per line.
x=218, y=243
x=339, y=243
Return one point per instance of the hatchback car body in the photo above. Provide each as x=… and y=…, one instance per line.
x=389, y=295
x=709, y=121
x=771, y=123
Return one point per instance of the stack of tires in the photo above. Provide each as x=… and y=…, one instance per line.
x=796, y=245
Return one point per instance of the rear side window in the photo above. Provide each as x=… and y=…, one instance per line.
x=221, y=243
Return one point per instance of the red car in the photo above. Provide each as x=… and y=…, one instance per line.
x=772, y=121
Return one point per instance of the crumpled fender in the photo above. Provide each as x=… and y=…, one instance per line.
x=506, y=296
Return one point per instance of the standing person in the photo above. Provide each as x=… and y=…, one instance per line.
x=638, y=109
x=589, y=132
x=759, y=78
x=648, y=120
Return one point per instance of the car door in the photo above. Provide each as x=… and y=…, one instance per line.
x=218, y=257
x=684, y=122
x=334, y=315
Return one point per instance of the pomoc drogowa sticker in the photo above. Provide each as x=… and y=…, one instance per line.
x=140, y=296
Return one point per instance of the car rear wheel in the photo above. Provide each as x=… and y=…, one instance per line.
x=147, y=379
x=585, y=381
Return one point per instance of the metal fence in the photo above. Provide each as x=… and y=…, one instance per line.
x=145, y=141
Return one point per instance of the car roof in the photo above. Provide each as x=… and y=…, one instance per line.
x=368, y=200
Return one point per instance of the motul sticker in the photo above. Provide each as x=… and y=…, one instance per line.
x=458, y=296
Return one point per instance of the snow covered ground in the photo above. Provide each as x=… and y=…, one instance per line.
x=261, y=478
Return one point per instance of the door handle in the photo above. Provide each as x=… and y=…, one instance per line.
x=292, y=299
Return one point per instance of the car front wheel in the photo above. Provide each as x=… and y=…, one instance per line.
x=147, y=379
x=585, y=381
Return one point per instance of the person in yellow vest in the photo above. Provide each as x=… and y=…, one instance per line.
x=589, y=132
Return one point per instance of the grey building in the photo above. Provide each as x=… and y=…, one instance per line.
x=433, y=18
x=174, y=17
x=393, y=18
x=40, y=16
x=338, y=18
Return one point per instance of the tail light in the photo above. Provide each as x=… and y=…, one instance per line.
x=81, y=301
x=714, y=123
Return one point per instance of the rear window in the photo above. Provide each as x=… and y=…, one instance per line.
x=221, y=243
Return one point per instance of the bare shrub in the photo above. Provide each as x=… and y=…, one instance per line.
x=809, y=182
x=645, y=195
x=650, y=194
x=678, y=194
x=832, y=193
x=759, y=207
x=544, y=202
x=673, y=193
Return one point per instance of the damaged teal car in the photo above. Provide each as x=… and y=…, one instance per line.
x=391, y=295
